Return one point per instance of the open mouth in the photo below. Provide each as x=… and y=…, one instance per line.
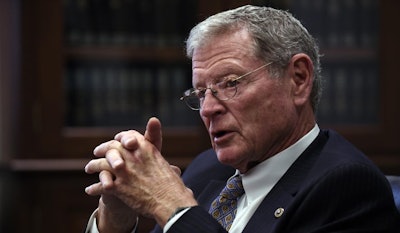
x=219, y=134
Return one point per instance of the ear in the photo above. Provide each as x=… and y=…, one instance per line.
x=302, y=75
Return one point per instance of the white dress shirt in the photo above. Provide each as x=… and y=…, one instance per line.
x=257, y=183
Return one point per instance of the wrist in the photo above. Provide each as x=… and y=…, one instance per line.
x=112, y=221
x=163, y=215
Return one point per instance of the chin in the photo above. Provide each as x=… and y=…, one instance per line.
x=227, y=157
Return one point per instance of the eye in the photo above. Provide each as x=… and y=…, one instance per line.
x=199, y=92
x=229, y=83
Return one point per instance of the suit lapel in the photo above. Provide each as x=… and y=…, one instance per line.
x=210, y=192
x=266, y=217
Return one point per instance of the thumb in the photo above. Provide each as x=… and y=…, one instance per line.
x=153, y=132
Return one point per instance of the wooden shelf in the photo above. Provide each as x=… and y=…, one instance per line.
x=70, y=165
x=142, y=54
x=110, y=131
x=47, y=165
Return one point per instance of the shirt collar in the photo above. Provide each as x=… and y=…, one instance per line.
x=259, y=181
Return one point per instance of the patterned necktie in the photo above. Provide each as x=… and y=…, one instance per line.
x=223, y=208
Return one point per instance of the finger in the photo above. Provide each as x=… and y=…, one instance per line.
x=106, y=183
x=107, y=180
x=94, y=189
x=153, y=132
x=114, y=158
x=128, y=139
x=101, y=150
x=176, y=169
x=97, y=165
x=119, y=135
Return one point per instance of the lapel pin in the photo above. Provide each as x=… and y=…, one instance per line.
x=279, y=212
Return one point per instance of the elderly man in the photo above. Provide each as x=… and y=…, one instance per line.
x=256, y=84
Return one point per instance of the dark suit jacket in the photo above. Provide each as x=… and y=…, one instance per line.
x=331, y=187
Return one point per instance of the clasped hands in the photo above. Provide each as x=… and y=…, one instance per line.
x=135, y=179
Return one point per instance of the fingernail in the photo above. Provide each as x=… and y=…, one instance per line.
x=87, y=167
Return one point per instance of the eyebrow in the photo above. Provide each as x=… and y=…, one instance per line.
x=225, y=71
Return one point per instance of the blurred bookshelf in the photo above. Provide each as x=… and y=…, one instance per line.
x=108, y=65
x=120, y=54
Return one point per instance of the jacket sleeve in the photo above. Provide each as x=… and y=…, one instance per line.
x=197, y=220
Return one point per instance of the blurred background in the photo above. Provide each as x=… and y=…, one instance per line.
x=75, y=72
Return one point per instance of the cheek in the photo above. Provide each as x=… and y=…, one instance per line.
x=261, y=109
x=269, y=113
x=255, y=123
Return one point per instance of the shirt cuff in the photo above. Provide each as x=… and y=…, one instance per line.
x=92, y=225
x=173, y=219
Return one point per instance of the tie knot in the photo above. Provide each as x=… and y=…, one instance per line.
x=233, y=189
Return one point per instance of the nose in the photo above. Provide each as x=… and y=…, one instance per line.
x=210, y=105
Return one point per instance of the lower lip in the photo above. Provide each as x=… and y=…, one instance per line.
x=223, y=139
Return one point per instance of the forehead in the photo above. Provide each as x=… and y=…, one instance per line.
x=228, y=52
x=229, y=42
